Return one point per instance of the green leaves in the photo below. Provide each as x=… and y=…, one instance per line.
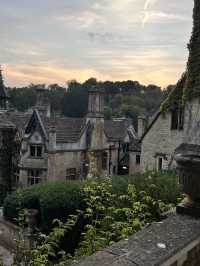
x=110, y=212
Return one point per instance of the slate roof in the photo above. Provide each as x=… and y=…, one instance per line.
x=67, y=129
x=19, y=119
x=4, y=123
x=135, y=146
x=115, y=130
x=70, y=130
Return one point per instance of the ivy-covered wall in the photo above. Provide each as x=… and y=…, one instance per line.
x=192, y=88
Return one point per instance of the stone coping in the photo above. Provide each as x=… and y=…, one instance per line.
x=9, y=224
x=158, y=244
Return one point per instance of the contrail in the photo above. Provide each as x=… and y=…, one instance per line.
x=148, y=3
x=146, y=16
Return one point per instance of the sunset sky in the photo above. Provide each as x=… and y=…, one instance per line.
x=52, y=41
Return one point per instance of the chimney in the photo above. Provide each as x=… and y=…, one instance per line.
x=3, y=95
x=42, y=103
x=141, y=125
x=51, y=174
x=96, y=103
x=52, y=139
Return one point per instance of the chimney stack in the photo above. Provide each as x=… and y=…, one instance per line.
x=51, y=174
x=42, y=103
x=141, y=125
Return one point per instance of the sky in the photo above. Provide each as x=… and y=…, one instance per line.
x=53, y=41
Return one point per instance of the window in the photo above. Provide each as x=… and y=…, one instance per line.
x=104, y=160
x=160, y=163
x=181, y=118
x=177, y=118
x=71, y=174
x=17, y=174
x=34, y=176
x=137, y=159
x=36, y=151
x=114, y=170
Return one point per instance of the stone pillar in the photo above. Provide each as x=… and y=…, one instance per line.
x=51, y=173
x=32, y=221
x=141, y=125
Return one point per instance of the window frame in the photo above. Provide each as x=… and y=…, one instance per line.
x=160, y=163
x=104, y=160
x=71, y=174
x=177, y=118
x=138, y=159
x=34, y=175
x=36, y=148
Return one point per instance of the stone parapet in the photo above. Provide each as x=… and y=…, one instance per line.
x=173, y=242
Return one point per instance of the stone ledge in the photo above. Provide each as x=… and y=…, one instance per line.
x=165, y=243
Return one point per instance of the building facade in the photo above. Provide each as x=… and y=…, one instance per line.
x=60, y=148
x=178, y=120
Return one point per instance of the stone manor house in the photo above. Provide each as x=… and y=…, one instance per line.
x=60, y=148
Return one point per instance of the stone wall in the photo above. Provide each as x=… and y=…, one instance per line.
x=173, y=242
x=160, y=139
x=133, y=166
x=8, y=234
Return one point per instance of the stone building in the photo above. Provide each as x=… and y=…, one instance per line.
x=60, y=148
x=52, y=148
x=163, y=135
x=178, y=120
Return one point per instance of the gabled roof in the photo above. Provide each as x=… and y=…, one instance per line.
x=6, y=124
x=116, y=130
x=175, y=96
x=19, y=119
x=135, y=146
x=68, y=130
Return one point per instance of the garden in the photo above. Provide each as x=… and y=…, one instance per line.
x=77, y=219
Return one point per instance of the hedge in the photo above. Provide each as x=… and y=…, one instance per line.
x=159, y=185
x=53, y=200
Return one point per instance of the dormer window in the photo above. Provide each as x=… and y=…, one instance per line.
x=36, y=151
x=177, y=118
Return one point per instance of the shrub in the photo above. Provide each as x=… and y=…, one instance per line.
x=159, y=185
x=54, y=200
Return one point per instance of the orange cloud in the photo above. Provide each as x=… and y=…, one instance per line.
x=26, y=74
x=128, y=68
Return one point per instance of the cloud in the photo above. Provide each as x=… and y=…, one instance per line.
x=155, y=17
x=103, y=38
x=20, y=75
x=148, y=3
x=84, y=19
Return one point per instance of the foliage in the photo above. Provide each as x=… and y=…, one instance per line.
x=54, y=200
x=122, y=99
x=24, y=98
x=113, y=209
x=159, y=185
x=175, y=96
